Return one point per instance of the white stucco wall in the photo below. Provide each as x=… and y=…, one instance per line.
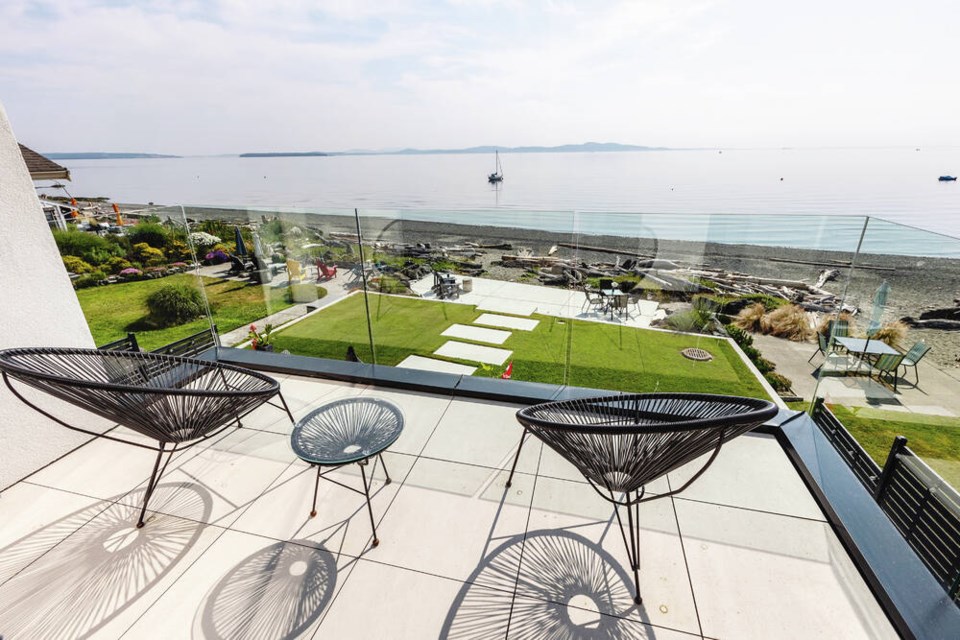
x=38, y=307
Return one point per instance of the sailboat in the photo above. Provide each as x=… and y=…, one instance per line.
x=496, y=176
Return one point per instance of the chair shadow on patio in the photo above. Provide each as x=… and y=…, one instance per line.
x=567, y=588
x=278, y=592
x=72, y=577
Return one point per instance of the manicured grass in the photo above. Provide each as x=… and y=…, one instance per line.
x=116, y=309
x=603, y=356
x=936, y=439
x=401, y=327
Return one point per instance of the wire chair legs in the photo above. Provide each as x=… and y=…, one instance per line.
x=632, y=541
x=516, y=458
x=155, y=479
x=366, y=490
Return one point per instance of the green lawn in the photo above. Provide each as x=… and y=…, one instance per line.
x=604, y=356
x=116, y=309
x=936, y=439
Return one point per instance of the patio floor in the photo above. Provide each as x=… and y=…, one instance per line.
x=521, y=299
x=231, y=551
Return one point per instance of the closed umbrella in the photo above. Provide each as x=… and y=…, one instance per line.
x=257, y=246
x=879, y=303
x=241, y=248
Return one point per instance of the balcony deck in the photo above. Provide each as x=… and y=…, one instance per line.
x=230, y=550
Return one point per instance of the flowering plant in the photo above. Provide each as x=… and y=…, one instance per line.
x=203, y=240
x=217, y=257
x=130, y=271
x=260, y=339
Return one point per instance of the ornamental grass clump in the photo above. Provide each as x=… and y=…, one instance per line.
x=823, y=328
x=788, y=322
x=750, y=317
x=892, y=333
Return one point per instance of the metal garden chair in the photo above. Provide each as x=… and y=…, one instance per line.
x=621, y=443
x=176, y=401
x=912, y=357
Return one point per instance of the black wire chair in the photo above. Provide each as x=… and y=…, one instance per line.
x=176, y=401
x=622, y=443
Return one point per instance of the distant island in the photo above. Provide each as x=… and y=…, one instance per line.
x=285, y=154
x=96, y=155
x=586, y=147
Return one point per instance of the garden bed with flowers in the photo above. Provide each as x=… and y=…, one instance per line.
x=114, y=311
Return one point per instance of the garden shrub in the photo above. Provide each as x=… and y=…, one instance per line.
x=778, y=381
x=178, y=251
x=151, y=233
x=116, y=264
x=89, y=247
x=89, y=280
x=203, y=241
x=149, y=256
x=175, y=304
x=77, y=265
x=739, y=336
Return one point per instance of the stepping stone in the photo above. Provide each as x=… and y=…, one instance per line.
x=516, y=307
x=476, y=353
x=476, y=334
x=493, y=320
x=440, y=366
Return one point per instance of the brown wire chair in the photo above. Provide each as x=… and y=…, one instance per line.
x=176, y=401
x=622, y=443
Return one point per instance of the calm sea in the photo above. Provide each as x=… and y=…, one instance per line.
x=808, y=198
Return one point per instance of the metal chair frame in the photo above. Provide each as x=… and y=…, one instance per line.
x=622, y=443
x=178, y=401
x=913, y=357
x=371, y=424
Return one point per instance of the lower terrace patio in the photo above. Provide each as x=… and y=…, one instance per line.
x=229, y=549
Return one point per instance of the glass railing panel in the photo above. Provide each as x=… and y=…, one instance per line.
x=131, y=269
x=471, y=293
x=260, y=268
x=894, y=372
x=688, y=286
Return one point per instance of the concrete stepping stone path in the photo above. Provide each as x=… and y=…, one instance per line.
x=506, y=322
x=439, y=366
x=473, y=352
x=477, y=334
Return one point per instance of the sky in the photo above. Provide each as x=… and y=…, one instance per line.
x=196, y=77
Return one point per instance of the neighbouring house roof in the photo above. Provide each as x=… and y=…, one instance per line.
x=42, y=168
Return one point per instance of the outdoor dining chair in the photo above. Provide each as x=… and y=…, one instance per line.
x=593, y=300
x=176, y=401
x=914, y=356
x=622, y=443
x=887, y=365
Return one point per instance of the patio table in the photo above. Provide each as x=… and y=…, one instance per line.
x=866, y=348
x=344, y=432
x=613, y=303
